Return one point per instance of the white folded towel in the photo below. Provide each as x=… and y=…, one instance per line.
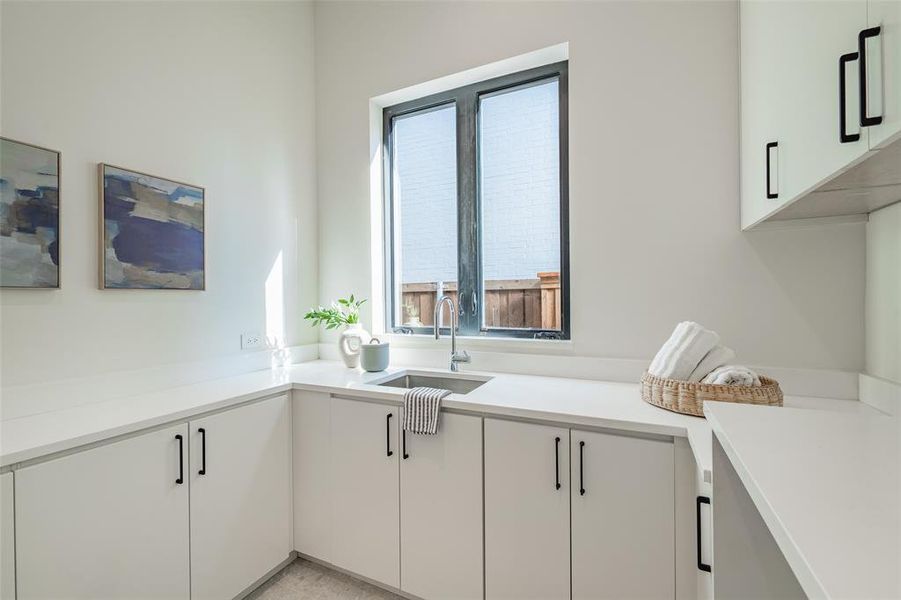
x=732, y=375
x=719, y=356
x=682, y=352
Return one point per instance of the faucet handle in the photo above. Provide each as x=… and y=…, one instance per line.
x=461, y=357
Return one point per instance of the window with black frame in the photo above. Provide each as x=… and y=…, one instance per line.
x=476, y=207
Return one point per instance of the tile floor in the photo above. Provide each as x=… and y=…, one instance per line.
x=305, y=580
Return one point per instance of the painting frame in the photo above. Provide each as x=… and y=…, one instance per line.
x=102, y=234
x=59, y=217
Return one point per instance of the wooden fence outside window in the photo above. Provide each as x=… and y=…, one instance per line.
x=509, y=303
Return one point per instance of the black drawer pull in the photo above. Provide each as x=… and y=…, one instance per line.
x=181, y=459
x=701, y=500
x=388, y=434
x=404, y=444
x=843, y=135
x=769, y=193
x=202, y=470
x=865, y=119
x=581, y=476
x=557, y=462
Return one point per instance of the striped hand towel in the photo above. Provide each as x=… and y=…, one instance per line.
x=421, y=407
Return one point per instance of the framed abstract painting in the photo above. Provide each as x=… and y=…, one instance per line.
x=152, y=232
x=29, y=215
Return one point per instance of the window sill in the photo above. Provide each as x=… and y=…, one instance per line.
x=481, y=343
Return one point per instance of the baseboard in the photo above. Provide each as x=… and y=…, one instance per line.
x=357, y=576
x=819, y=383
x=256, y=584
x=881, y=394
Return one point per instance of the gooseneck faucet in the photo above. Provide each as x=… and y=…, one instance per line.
x=455, y=358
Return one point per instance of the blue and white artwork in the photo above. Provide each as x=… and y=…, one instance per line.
x=153, y=232
x=29, y=216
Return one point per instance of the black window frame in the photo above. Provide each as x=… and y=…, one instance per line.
x=469, y=268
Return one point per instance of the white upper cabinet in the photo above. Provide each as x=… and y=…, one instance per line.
x=820, y=92
x=526, y=511
x=441, y=511
x=110, y=522
x=240, y=497
x=623, y=526
x=791, y=99
x=365, y=489
x=884, y=70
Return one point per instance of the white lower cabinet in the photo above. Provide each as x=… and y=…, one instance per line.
x=441, y=511
x=311, y=412
x=109, y=522
x=7, y=538
x=240, y=497
x=526, y=511
x=365, y=489
x=623, y=529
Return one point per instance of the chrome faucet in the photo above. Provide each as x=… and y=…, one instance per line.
x=456, y=358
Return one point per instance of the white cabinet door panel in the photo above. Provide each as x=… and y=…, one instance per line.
x=884, y=70
x=7, y=537
x=526, y=511
x=623, y=529
x=441, y=511
x=241, y=503
x=365, y=489
x=312, y=474
x=107, y=523
x=808, y=64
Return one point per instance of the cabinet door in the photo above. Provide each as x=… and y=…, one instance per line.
x=884, y=71
x=762, y=104
x=240, y=497
x=817, y=34
x=311, y=412
x=7, y=533
x=441, y=511
x=365, y=473
x=110, y=522
x=623, y=529
x=526, y=511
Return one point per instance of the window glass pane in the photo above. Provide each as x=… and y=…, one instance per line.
x=425, y=213
x=519, y=183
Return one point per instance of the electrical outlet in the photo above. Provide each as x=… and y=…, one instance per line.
x=251, y=341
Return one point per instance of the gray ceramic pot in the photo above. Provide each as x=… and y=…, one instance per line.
x=374, y=355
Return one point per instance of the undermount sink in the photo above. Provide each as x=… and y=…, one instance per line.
x=456, y=385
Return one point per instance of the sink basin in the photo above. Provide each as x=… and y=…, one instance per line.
x=456, y=385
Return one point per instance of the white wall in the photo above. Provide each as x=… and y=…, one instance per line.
x=217, y=94
x=883, y=304
x=653, y=93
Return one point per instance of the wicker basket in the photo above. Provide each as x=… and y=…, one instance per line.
x=688, y=398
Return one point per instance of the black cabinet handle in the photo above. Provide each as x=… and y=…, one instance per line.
x=202, y=433
x=701, y=500
x=843, y=135
x=181, y=459
x=404, y=444
x=557, y=462
x=581, y=476
x=388, y=434
x=865, y=120
x=769, y=193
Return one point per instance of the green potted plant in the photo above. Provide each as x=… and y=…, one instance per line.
x=344, y=312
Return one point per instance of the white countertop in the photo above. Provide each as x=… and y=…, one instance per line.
x=827, y=486
x=568, y=401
